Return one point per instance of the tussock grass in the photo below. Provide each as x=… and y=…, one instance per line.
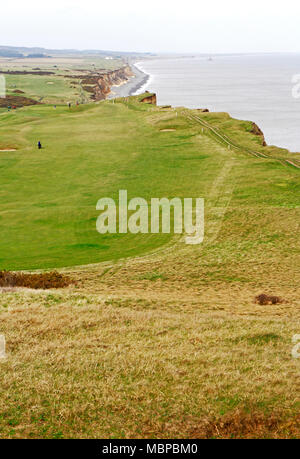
x=81, y=365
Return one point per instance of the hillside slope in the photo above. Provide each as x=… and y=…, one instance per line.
x=158, y=339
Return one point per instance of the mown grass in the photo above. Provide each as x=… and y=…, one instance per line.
x=48, y=206
x=89, y=152
x=47, y=89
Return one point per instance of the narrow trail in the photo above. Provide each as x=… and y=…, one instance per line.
x=218, y=201
x=225, y=140
x=293, y=163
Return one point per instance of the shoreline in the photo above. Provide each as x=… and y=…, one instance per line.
x=140, y=83
x=224, y=85
x=131, y=87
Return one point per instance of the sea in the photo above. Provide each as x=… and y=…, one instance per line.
x=264, y=88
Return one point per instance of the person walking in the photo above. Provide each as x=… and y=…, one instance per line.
x=39, y=145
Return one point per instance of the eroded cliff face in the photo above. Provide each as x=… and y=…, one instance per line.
x=257, y=131
x=151, y=99
x=100, y=84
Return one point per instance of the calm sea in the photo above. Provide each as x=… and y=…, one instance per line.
x=249, y=87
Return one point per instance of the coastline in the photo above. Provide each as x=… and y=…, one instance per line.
x=131, y=87
x=141, y=82
x=249, y=87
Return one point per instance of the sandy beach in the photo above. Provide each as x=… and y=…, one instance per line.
x=132, y=86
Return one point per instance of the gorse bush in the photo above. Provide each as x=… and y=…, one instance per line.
x=264, y=299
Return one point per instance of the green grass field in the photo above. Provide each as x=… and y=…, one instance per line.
x=57, y=88
x=48, y=197
x=88, y=153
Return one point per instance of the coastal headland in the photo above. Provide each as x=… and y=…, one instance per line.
x=59, y=80
x=140, y=335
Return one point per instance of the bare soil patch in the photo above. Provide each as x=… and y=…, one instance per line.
x=17, y=101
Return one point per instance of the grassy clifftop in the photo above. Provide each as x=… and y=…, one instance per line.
x=48, y=205
x=161, y=340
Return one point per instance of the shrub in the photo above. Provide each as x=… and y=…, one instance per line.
x=264, y=299
x=47, y=280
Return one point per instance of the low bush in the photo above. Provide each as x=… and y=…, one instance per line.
x=45, y=281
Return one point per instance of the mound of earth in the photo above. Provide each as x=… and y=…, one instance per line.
x=257, y=131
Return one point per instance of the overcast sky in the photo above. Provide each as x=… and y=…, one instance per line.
x=212, y=26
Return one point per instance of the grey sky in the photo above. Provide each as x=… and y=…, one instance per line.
x=158, y=25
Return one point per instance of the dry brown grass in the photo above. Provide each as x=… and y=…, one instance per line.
x=83, y=364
